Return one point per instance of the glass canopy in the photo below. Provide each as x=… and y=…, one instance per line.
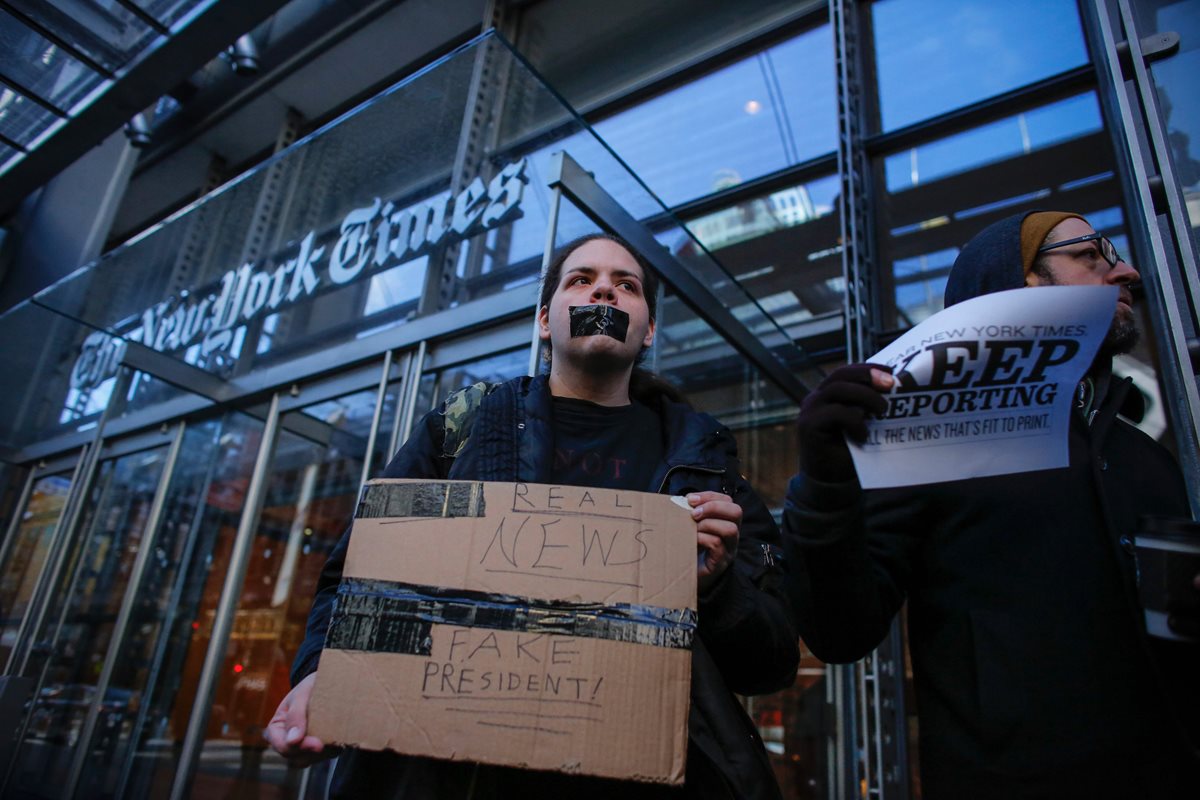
x=428, y=197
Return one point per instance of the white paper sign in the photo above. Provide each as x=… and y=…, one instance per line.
x=985, y=387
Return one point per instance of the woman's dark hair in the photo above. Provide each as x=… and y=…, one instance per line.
x=644, y=385
x=554, y=272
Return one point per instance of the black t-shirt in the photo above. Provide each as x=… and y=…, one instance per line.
x=604, y=446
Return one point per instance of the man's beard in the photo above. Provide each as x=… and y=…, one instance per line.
x=1122, y=336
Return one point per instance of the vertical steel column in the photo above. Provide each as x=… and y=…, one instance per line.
x=132, y=591
x=1128, y=96
x=226, y=607
x=397, y=418
x=380, y=396
x=535, y=346
x=871, y=701
x=853, y=167
x=410, y=396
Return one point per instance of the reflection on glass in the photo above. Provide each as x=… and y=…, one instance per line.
x=782, y=248
x=106, y=32
x=794, y=727
x=43, y=67
x=943, y=192
x=80, y=624
x=309, y=500
x=1023, y=133
x=763, y=113
x=139, y=666
x=208, y=501
x=493, y=369
x=921, y=283
x=717, y=380
x=933, y=56
x=1178, y=93
x=27, y=556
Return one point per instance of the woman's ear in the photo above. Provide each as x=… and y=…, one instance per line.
x=544, y=323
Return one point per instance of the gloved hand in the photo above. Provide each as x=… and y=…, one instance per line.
x=840, y=405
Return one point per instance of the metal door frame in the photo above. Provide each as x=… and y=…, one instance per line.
x=1156, y=214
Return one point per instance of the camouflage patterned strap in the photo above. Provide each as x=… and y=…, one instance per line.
x=459, y=414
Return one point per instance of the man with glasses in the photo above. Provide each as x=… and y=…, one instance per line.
x=1034, y=674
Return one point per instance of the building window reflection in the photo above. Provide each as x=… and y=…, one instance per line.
x=933, y=56
x=941, y=192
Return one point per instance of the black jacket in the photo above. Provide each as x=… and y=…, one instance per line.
x=746, y=643
x=1027, y=642
x=1034, y=676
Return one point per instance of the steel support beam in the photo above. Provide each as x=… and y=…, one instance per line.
x=231, y=593
x=582, y=189
x=1158, y=224
x=178, y=373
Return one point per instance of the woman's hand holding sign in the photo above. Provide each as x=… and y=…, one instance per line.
x=837, y=409
x=287, y=732
x=718, y=522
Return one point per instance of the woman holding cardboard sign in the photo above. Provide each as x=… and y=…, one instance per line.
x=596, y=421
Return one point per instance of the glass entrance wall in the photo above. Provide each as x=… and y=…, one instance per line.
x=1178, y=95
x=69, y=650
x=26, y=553
x=205, y=503
x=310, y=498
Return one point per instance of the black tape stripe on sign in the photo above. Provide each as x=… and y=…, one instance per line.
x=388, y=617
x=431, y=499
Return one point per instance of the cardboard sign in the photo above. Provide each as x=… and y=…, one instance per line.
x=545, y=627
x=985, y=387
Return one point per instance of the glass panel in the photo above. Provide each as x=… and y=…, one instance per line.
x=138, y=667
x=940, y=193
x=1178, y=93
x=590, y=52
x=168, y=12
x=27, y=554
x=41, y=66
x=933, y=56
x=996, y=141
x=492, y=369
x=718, y=380
x=309, y=500
x=371, y=225
x=22, y=120
x=344, y=235
x=208, y=500
x=763, y=113
x=35, y=341
x=106, y=32
x=7, y=154
x=782, y=247
x=69, y=650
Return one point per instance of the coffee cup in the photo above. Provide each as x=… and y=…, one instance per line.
x=1167, y=552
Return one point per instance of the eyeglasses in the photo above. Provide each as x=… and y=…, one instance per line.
x=1107, y=251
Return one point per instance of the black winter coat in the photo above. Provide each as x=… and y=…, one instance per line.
x=1034, y=676
x=746, y=643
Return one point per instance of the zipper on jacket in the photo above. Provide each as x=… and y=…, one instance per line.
x=709, y=470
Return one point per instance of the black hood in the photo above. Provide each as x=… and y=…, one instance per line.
x=990, y=262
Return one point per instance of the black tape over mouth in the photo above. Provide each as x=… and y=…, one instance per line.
x=599, y=319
